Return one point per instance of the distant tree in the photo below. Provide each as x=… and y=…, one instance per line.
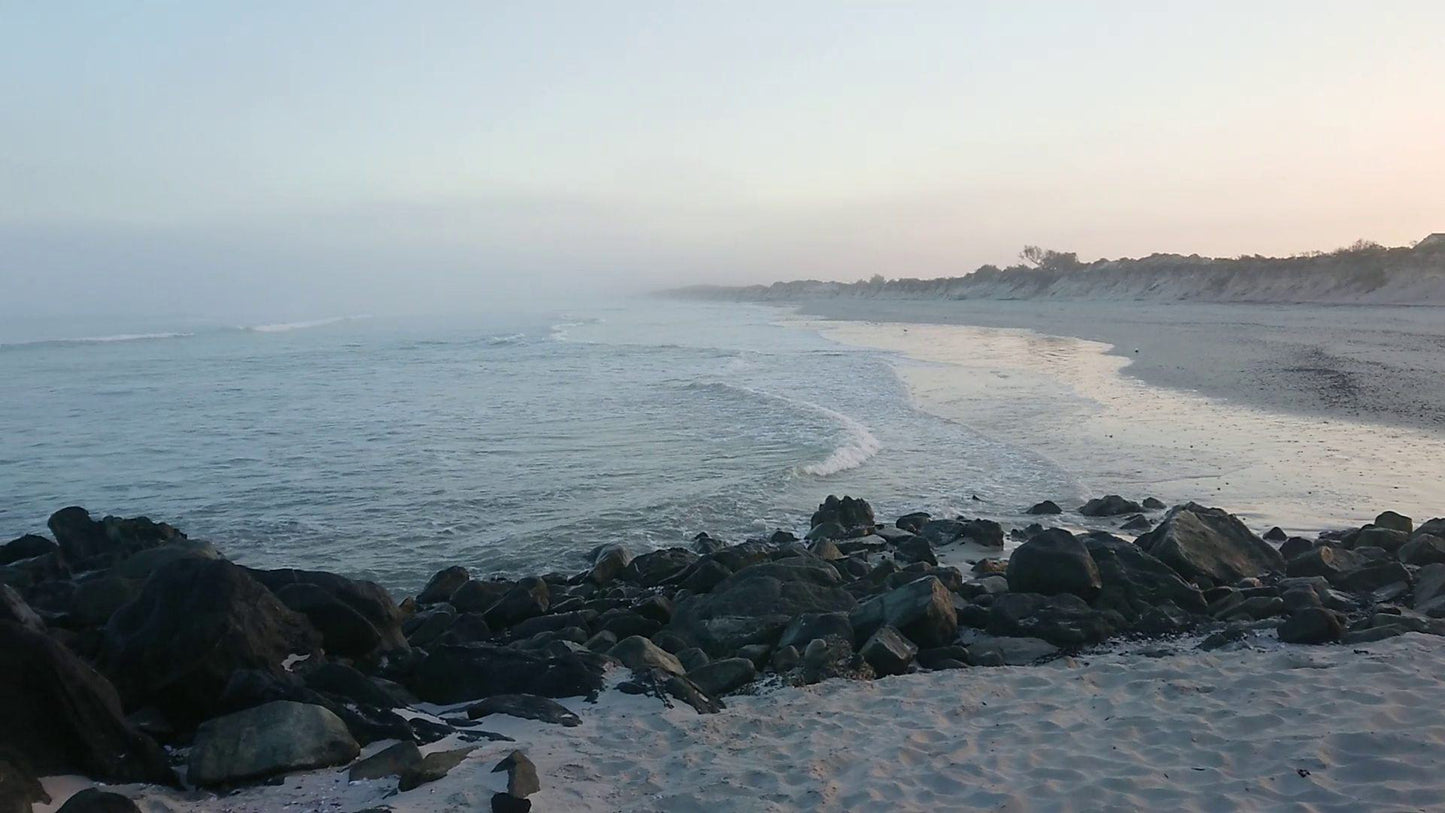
x=1048, y=259
x=876, y=280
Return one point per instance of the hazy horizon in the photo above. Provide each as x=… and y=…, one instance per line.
x=315, y=161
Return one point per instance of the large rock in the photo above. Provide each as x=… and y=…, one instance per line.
x=63, y=716
x=849, y=513
x=1053, y=562
x=1395, y=522
x=1045, y=508
x=26, y=547
x=808, y=626
x=1430, y=590
x=608, y=562
x=195, y=623
x=83, y=539
x=659, y=566
x=754, y=604
x=1063, y=620
x=1110, y=506
x=888, y=652
x=639, y=654
x=1208, y=543
x=442, y=584
x=357, y=619
x=723, y=676
x=455, y=674
x=95, y=800
x=267, y=740
x=1311, y=625
x=1423, y=549
x=1133, y=582
x=922, y=610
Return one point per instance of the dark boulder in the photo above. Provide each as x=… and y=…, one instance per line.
x=1275, y=534
x=922, y=610
x=345, y=682
x=357, y=619
x=1423, y=549
x=83, y=539
x=1133, y=581
x=754, y=604
x=26, y=547
x=940, y=532
x=432, y=767
x=916, y=549
x=1045, y=509
x=196, y=622
x=64, y=717
x=1395, y=522
x=1386, y=539
x=608, y=562
x=1324, y=561
x=808, y=626
x=528, y=599
x=477, y=595
x=913, y=522
x=1063, y=620
x=1110, y=506
x=983, y=532
x=639, y=654
x=658, y=567
x=95, y=800
x=267, y=740
x=888, y=652
x=456, y=674
x=443, y=584
x=1208, y=543
x=1053, y=562
x=1311, y=625
x=723, y=676
x=832, y=657
x=1373, y=577
x=522, y=778
x=849, y=513
x=1294, y=546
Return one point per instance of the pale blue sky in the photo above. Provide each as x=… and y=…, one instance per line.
x=272, y=156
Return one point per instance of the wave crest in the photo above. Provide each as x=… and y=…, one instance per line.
x=286, y=327
x=120, y=337
x=861, y=444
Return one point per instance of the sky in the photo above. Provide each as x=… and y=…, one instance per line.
x=300, y=159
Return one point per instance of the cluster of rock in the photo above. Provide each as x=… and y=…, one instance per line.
x=126, y=636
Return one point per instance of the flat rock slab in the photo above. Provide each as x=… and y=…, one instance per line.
x=525, y=706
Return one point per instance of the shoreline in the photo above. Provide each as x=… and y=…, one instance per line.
x=1286, y=357
x=1083, y=404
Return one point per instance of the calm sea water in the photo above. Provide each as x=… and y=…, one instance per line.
x=507, y=442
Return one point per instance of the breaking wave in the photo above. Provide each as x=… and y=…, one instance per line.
x=286, y=327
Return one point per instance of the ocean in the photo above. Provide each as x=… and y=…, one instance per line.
x=510, y=442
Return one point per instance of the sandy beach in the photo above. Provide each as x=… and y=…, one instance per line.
x=1278, y=727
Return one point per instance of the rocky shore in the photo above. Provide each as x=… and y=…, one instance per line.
x=135, y=655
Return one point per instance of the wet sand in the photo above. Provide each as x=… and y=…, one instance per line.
x=1379, y=364
x=1216, y=406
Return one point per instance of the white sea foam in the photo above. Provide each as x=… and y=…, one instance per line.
x=861, y=444
x=286, y=327
x=120, y=337
x=510, y=338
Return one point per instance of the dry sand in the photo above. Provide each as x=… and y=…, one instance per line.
x=1285, y=727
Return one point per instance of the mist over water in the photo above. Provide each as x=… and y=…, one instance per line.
x=509, y=443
